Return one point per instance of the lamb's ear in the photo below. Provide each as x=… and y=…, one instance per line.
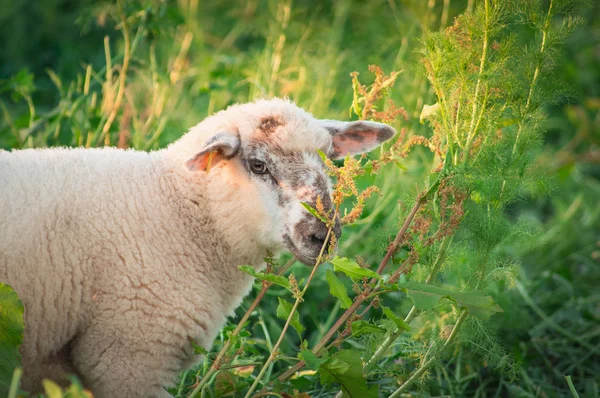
x=356, y=137
x=220, y=146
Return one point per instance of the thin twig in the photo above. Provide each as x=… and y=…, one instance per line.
x=216, y=365
x=413, y=311
x=275, y=349
x=421, y=199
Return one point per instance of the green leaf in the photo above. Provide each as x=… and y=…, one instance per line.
x=361, y=327
x=345, y=368
x=198, y=349
x=368, y=167
x=52, y=389
x=427, y=296
x=322, y=155
x=272, y=278
x=397, y=320
x=11, y=335
x=352, y=269
x=311, y=360
x=283, y=312
x=337, y=289
x=314, y=212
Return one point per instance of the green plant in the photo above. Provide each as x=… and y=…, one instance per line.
x=452, y=222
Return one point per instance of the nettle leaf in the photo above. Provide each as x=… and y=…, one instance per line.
x=394, y=318
x=272, y=278
x=337, y=289
x=314, y=212
x=311, y=360
x=427, y=296
x=361, y=327
x=283, y=312
x=352, y=269
x=11, y=335
x=345, y=368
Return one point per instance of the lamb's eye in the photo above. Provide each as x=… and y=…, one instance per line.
x=258, y=166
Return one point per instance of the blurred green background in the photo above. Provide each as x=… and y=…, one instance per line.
x=190, y=58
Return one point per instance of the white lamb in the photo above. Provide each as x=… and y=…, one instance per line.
x=122, y=257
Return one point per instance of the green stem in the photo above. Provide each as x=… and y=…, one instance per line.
x=472, y=129
x=413, y=311
x=423, y=368
x=536, y=73
x=14, y=384
x=571, y=387
x=293, y=310
x=216, y=365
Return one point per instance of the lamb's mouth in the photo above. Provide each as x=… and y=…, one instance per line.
x=305, y=259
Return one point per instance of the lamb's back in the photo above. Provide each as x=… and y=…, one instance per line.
x=60, y=211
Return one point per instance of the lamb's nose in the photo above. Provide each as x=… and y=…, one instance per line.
x=318, y=239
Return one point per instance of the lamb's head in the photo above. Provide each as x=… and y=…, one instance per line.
x=271, y=147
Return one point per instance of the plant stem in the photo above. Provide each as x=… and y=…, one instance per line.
x=14, y=384
x=122, y=77
x=290, y=316
x=422, y=198
x=571, y=387
x=536, y=73
x=216, y=365
x=472, y=128
x=423, y=368
x=413, y=311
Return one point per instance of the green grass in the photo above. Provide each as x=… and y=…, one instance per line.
x=188, y=59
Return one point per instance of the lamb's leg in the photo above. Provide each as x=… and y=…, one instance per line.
x=119, y=357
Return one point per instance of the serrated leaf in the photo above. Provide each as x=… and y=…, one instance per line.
x=394, y=318
x=311, y=360
x=345, y=368
x=427, y=296
x=283, y=312
x=11, y=335
x=314, y=212
x=361, y=327
x=272, y=278
x=352, y=269
x=337, y=289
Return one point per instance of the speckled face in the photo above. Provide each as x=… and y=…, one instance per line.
x=286, y=178
x=276, y=143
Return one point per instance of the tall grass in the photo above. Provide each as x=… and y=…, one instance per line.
x=162, y=67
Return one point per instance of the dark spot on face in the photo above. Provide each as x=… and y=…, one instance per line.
x=269, y=124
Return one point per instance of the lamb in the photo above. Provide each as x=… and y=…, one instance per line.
x=122, y=257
